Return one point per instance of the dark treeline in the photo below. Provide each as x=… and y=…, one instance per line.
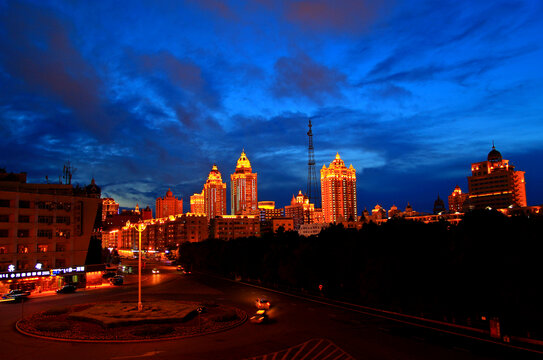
x=488, y=265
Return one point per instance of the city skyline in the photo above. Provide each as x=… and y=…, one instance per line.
x=146, y=97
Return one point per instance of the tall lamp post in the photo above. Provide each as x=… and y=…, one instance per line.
x=140, y=226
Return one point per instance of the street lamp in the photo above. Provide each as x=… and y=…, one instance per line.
x=140, y=226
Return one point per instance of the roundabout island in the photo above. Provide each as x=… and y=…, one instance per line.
x=122, y=322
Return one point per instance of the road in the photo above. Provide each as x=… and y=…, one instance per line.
x=299, y=328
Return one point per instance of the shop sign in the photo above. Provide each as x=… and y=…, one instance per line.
x=68, y=270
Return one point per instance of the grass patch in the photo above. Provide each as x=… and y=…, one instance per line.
x=153, y=330
x=52, y=326
x=225, y=316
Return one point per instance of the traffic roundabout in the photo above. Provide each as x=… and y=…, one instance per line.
x=122, y=322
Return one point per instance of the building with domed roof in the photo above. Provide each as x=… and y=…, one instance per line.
x=214, y=194
x=457, y=200
x=338, y=189
x=168, y=205
x=494, y=183
x=243, y=188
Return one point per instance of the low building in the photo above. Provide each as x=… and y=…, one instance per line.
x=43, y=227
x=163, y=234
x=311, y=229
x=228, y=227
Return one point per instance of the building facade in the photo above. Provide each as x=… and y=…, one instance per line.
x=338, y=189
x=243, y=187
x=495, y=183
x=197, y=203
x=457, y=199
x=109, y=208
x=161, y=234
x=229, y=227
x=268, y=211
x=300, y=210
x=168, y=205
x=214, y=194
x=43, y=226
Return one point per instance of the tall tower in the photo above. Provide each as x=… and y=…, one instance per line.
x=214, y=194
x=243, y=187
x=312, y=194
x=338, y=186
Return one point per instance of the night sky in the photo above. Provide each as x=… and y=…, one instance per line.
x=147, y=95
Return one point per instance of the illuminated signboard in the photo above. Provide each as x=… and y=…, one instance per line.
x=69, y=270
x=54, y=272
x=25, y=274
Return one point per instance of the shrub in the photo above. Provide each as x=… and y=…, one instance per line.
x=53, y=326
x=227, y=315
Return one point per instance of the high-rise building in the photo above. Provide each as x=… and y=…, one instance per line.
x=495, y=183
x=457, y=200
x=168, y=205
x=338, y=190
x=243, y=187
x=109, y=208
x=197, y=203
x=214, y=194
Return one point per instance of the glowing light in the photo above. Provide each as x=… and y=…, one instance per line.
x=38, y=266
x=11, y=268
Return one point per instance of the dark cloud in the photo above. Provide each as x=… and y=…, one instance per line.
x=344, y=16
x=302, y=76
x=38, y=49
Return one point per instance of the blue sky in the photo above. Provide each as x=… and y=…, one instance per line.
x=147, y=95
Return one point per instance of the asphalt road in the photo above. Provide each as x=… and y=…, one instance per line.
x=299, y=328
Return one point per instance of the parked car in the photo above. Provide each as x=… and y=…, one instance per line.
x=109, y=275
x=116, y=280
x=18, y=292
x=262, y=303
x=67, y=289
x=260, y=317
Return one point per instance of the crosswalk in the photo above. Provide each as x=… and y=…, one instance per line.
x=314, y=349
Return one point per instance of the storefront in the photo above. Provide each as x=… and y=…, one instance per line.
x=48, y=280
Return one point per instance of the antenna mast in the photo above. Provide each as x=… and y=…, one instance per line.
x=312, y=193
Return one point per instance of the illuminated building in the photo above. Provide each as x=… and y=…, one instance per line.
x=147, y=213
x=243, y=187
x=44, y=226
x=394, y=211
x=378, y=213
x=168, y=205
x=457, y=200
x=197, y=203
x=268, y=211
x=228, y=227
x=318, y=216
x=338, y=189
x=311, y=229
x=300, y=210
x=165, y=233
x=214, y=194
x=495, y=184
x=109, y=207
